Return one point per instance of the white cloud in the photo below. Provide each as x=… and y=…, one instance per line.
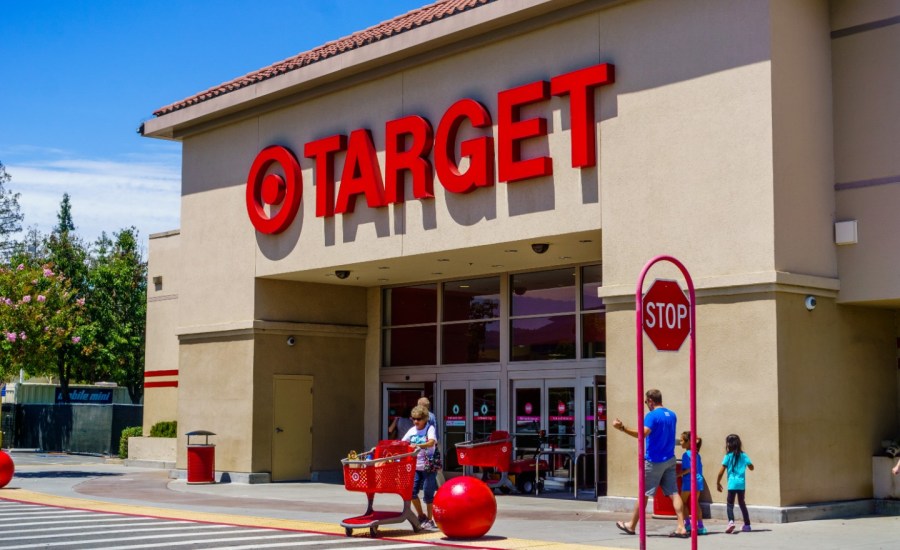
x=105, y=195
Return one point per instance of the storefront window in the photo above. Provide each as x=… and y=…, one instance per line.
x=543, y=292
x=404, y=345
x=552, y=315
x=593, y=323
x=472, y=299
x=590, y=283
x=410, y=305
x=593, y=335
x=543, y=338
x=410, y=346
x=542, y=325
x=471, y=329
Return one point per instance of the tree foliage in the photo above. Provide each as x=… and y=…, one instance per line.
x=10, y=215
x=118, y=311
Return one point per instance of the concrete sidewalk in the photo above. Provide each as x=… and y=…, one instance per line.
x=522, y=521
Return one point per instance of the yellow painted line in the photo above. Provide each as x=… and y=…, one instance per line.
x=387, y=531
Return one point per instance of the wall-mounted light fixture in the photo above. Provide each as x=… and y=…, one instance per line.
x=845, y=232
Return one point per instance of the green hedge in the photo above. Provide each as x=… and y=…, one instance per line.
x=166, y=428
x=134, y=431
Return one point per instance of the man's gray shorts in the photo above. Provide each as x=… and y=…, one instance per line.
x=660, y=474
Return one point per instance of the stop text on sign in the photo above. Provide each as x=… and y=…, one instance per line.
x=666, y=315
x=414, y=146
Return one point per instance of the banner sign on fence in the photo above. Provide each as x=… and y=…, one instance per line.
x=96, y=396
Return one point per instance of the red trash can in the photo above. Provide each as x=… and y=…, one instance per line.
x=662, y=505
x=201, y=459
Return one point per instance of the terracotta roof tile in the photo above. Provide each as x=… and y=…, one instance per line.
x=408, y=21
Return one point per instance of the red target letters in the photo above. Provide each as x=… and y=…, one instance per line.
x=411, y=140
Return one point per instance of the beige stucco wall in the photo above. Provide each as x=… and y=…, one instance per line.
x=689, y=138
x=161, y=349
x=336, y=365
x=837, y=393
x=215, y=394
x=867, y=130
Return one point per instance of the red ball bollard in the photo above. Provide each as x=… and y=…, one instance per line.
x=464, y=508
x=7, y=469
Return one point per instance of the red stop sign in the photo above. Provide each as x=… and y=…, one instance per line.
x=666, y=314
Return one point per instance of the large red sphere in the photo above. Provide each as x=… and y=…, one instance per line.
x=7, y=469
x=464, y=508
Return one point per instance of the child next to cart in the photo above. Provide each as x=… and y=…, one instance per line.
x=422, y=435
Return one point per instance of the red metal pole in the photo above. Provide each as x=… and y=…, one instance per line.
x=639, y=318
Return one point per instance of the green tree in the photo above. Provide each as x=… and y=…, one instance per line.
x=65, y=250
x=68, y=256
x=42, y=323
x=118, y=310
x=10, y=215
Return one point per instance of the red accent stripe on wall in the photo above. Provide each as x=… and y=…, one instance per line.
x=168, y=384
x=150, y=373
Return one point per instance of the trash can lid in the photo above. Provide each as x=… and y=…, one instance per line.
x=200, y=432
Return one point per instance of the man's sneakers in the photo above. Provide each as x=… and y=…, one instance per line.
x=428, y=525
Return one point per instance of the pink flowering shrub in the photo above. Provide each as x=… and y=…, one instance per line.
x=39, y=316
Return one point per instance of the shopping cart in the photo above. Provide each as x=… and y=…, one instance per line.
x=391, y=469
x=496, y=452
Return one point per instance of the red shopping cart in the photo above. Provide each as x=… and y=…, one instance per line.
x=496, y=452
x=391, y=469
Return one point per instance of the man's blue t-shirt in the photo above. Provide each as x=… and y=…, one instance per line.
x=660, y=444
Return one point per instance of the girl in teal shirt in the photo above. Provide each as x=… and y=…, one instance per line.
x=736, y=463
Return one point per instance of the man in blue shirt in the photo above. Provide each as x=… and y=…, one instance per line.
x=659, y=460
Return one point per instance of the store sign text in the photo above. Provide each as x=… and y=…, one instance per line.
x=414, y=146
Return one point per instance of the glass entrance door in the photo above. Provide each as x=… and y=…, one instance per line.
x=468, y=412
x=399, y=400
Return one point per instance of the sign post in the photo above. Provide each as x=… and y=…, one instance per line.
x=667, y=316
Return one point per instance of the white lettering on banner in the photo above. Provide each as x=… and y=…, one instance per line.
x=668, y=315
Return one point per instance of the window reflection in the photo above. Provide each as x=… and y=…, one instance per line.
x=590, y=284
x=472, y=299
x=550, y=318
x=593, y=335
x=543, y=292
x=543, y=338
x=471, y=342
x=410, y=305
x=410, y=346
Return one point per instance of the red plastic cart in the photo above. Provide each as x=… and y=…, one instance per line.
x=391, y=469
x=496, y=452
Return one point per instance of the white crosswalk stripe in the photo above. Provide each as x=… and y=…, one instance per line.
x=27, y=526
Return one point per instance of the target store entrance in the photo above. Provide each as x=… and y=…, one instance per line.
x=558, y=430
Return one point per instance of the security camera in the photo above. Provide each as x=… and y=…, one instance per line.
x=342, y=273
x=291, y=341
x=540, y=248
x=810, y=303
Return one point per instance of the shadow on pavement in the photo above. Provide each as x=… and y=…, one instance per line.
x=64, y=474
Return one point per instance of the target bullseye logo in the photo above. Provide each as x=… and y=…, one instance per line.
x=281, y=193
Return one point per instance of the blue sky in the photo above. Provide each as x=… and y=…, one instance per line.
x=79, y=77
